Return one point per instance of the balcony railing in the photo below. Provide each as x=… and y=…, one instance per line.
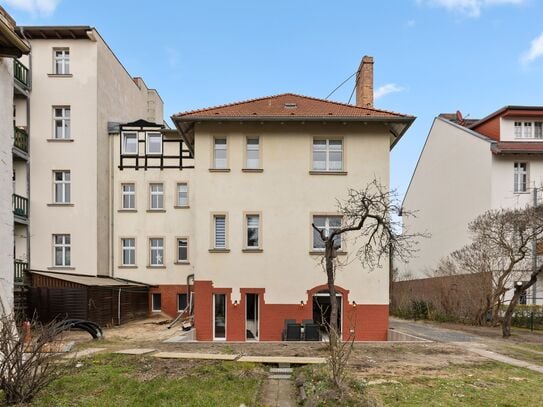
x=19, y=268
x=20, y=139
x=21, y=73
x=20, y=206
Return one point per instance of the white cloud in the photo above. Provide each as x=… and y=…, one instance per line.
x=471, y=8
x=387, y=89
x=42, y=8
x=535, y=51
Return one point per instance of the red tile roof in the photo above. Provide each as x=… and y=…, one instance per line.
x=517, y=147
x=288, y=106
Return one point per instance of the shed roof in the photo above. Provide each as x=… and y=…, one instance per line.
x=90, y=281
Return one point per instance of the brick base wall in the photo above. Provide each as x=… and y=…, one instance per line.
x=168, y=298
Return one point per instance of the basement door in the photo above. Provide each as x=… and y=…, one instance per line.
x=251, y=317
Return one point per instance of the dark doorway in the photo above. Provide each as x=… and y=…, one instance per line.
x=251, y=317
x=322, y=309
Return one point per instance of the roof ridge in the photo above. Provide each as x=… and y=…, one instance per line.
x=188, y=112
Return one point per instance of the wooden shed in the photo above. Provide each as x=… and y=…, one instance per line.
x=103, y=300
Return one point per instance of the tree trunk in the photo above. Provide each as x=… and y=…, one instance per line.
x=329, y=258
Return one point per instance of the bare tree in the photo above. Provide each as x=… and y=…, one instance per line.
x=367, y=214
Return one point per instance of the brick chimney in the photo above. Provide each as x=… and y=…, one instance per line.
x=364, y=83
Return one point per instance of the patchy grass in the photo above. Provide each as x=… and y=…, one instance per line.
x=138, y=381
x=487, y=384
x=522, y=352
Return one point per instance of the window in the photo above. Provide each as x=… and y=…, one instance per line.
x=156, y=246
x=521, y=177
x=253, y=231
x=154, y=143
x=181, y=302
x=518, y=129
x=219, y=227
x=328, y=224
x=327, y=155
x=538, y=129
x=128, y=196
x=527, y=130
x=61, y=120
x=253, y=153
x=61, y=61
x=157, y=196
x=129, y=251
x=61, y=186
x=61, y=250
x=220, y=153
x=156, y=302
x=182, y=194
x=130, y=143
x=182, y=250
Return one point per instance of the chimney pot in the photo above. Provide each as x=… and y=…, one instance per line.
x=364, y=83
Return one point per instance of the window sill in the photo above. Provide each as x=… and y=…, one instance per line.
x=182, y=263
x=60, y=268
x=60, y=204
x=252, y=170
x=521, y=192
x=219, y=170
x=156, y=310
x=156, y=267
x=156, y=210
x=181, y=206
x=60, y=75
x=256, y=250
x=314, y=172
x=321, y=253
x=60, y=140
x=128, y=267
x=127, y=210
x=219, y=250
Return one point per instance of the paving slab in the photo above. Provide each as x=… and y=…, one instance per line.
x=295, y=360
x=278, y=393
x=84, y=353
x=203, y=356
x=135, y=351
x=504, y=359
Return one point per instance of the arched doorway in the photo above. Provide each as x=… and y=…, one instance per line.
x=322, y=309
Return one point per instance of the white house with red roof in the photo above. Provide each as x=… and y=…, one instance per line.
x=467, y=167
x=234, y=232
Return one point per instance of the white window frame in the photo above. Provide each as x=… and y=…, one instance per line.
x=130, y=195
x=65, y=186
x=327, y=229
x=220, y=147
x=258, y=230
x=159, y=194
x=178, y=247
x=128, y=248
x=327, y=151
x=520, y=184
x=518, y=129
x=538, y=128
x=62, y=56
x=125, y=135
x=527, y=130
x=182, y=202
x=65, y=122
x=148, y=136
x=215, y=245
x=157, y=246
x=252, y=147
x=65, y=247
x=153, y=309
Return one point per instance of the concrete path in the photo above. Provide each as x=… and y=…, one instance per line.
x=476, y=348
x=432, y=332
x=203, y=356
x=278, y=393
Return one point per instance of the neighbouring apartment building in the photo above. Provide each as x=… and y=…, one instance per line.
x=468, y=167
x=237, y=226
x=14, y=155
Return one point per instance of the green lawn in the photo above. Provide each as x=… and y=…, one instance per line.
x=116, y=380
x=488, y=384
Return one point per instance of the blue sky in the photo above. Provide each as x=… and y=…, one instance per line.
x=431, y=55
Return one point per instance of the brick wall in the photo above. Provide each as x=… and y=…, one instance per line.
x=168, y=298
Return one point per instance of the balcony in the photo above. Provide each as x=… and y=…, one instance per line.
x=20, y=208
x=21, y=74
x=19, y=268
x=20, y=139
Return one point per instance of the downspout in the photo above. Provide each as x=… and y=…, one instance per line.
x=119, y=307
x=189, y=297
x=111, y=208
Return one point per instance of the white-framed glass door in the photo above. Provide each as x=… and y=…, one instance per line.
x=252, y=320
x=219, y=316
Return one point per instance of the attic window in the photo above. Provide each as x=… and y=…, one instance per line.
x=291, y=105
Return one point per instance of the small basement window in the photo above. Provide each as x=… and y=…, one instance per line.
x=156, y=302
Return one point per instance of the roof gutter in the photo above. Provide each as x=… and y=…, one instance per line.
x=16, y=41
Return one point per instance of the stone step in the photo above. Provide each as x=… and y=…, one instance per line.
x=283, y=370
x=279, y=377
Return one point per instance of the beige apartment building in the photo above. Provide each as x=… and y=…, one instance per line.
x=234, y=233
x=14, y=156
